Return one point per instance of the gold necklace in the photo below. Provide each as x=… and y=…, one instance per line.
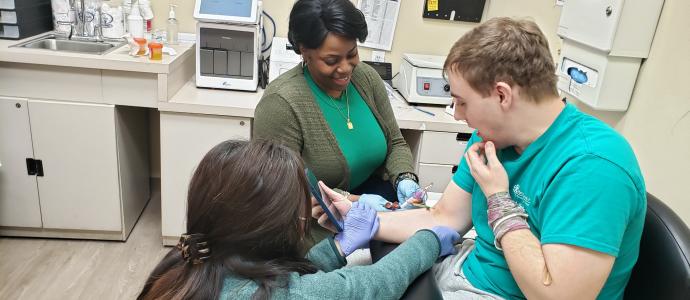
x=347, y=103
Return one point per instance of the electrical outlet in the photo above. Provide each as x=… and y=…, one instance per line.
x=378, y=56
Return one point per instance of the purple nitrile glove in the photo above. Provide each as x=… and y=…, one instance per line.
x=361, y=224
x=447, y=237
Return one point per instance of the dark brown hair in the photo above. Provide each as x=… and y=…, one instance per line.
x=507, y=50
x=248, y=199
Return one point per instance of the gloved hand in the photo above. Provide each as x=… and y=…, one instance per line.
x=361, y=224
x=374, y=201
x=448, y=237
x=406, y=190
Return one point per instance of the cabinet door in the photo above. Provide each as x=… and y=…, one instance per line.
x=76, y=142
x=19, y=205
x=185, y=139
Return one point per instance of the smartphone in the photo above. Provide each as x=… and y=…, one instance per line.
x=325, y=203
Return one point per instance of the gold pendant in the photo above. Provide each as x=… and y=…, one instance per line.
x=349, y=125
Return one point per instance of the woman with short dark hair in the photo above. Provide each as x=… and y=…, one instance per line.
x=247, y=208
x=335, y=111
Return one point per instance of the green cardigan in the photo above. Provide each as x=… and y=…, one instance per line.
x=386, y=279
x=289, y=113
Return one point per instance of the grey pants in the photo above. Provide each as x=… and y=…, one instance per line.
x=452, y=281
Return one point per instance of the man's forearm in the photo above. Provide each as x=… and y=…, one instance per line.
x=554, y=271
x=398, y=226
x=526, y=262
x=454, y=210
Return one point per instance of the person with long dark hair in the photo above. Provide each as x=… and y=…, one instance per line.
x=247, y=208
x=335, y=111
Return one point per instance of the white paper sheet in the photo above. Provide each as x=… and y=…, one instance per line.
x=381, y=17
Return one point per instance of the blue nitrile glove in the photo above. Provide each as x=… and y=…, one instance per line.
x=406, y=189
x=374, y=201
x=448, y=237
x=361, y=224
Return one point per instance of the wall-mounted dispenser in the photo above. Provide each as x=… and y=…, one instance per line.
x=604, y=43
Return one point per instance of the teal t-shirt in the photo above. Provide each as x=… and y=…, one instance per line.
x=580, y=184
x=364, y=146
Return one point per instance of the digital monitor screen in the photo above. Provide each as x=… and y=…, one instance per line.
x=381, y=70
x=234, y=8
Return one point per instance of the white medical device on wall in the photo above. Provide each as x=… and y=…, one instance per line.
x=604, y=43
x=283, y=58
x=421, y=79
x=228, y=45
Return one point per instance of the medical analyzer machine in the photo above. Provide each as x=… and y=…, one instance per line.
x=228, y=44
x=421, y=80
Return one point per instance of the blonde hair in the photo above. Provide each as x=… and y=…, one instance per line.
x=507, y=50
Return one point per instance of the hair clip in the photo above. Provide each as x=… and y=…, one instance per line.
x=194, y=248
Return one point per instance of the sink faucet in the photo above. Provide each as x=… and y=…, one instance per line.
x=79, y=18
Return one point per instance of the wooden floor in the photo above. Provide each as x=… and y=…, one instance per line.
x=32, y=268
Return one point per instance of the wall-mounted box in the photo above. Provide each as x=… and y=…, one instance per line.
x=604, y=43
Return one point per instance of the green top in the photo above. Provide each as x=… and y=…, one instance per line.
x=363, y=145
x=288, y=112
x=386, y=279
x=580, y=185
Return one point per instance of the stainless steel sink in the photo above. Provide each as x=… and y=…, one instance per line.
x=56, y=43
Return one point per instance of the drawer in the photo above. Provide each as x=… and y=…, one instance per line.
x=441, y=148
x=440, y=175
x=50, y=82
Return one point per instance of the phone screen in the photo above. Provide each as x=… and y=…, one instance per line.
x=325, y=203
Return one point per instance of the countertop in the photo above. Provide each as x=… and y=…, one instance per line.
x=118, y=59
x=190, y=99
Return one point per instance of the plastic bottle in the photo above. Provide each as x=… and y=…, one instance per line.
x=147, y=15
x=171, y=29
x=135, y=22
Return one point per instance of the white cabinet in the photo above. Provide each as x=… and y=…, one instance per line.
x=19, y=204
x=76, y=143
x=436, y=154
x=185, y=139
x=88, y=187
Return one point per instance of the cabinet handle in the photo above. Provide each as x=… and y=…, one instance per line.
x=39, y=168
x=462, y=136
x=34, y=167
x=454, y=169
x=31, y=166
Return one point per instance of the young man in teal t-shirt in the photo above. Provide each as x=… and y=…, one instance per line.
x=556, y=196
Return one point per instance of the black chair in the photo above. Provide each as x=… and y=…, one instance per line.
x=663, y=267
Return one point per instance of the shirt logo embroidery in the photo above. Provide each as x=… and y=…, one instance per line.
x=520, y=197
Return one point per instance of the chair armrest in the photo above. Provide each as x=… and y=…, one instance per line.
x=424, y=287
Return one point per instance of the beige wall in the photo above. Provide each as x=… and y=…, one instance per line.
x=413, y=33
x=657, y=124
